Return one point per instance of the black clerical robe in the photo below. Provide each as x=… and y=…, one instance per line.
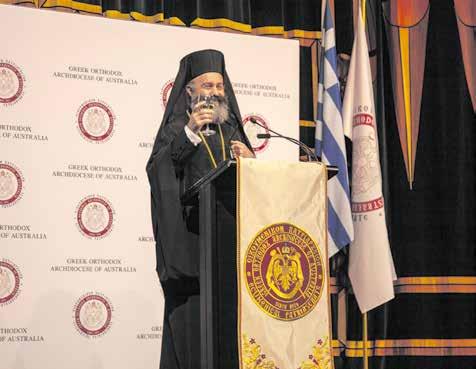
x=175, y=167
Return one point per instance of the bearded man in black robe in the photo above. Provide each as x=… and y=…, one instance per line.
x=183, y=153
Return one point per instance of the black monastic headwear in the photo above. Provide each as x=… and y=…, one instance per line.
x=192, y=66
x=203, y=61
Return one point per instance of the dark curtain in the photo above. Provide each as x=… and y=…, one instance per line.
x=431, y=323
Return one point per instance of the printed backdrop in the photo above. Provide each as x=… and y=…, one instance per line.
x=78, y=115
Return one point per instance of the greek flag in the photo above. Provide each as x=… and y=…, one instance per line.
x=330, y=142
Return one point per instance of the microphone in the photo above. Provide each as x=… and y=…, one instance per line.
x=263, y=135
x=310, y=154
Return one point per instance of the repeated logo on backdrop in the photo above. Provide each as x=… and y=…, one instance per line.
x=11, y=184
x=92, y=314
x=252, y=130
x=96, y=121
x=165, y=92
x=12, y=83
x=10, y=281
x=95, y=217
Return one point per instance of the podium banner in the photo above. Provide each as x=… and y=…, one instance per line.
x=283, y=276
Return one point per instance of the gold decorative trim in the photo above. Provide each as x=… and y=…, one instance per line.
x=413, y=347
x=221, y=22
x=238, y=261
x=320, y=358
x=252, y=357
x=259, y=31
x=279, y=31
x=268, y=31
x=307, y=123
x=159, y=17
x=328, y=269
x=116, y=14
x=315, y=52
x=75, y=5
x=174, y=21
x=436, y=280
x=337, y=348
x=19, y=2
x=455, y=284
x=299, y=33
x=446, y=284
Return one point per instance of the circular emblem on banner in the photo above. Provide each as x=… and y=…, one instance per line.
x=11, y=184
x=366, y=170
x=93, y=314
x=12, y=83
x=95, y=217
x=166, y=90
x=252, y=130
x=284, y=271
x=10, y=282
x=96, y=121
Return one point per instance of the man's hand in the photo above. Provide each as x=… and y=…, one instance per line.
x=240, y=149
x=199, y=117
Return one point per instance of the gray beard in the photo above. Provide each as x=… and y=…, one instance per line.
x=221, y=109
x=221, y=113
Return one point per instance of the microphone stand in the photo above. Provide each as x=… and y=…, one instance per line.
x=310, y=154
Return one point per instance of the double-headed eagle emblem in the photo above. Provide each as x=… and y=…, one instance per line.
x=284, y=274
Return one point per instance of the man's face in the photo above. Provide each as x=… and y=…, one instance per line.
x=208, y=84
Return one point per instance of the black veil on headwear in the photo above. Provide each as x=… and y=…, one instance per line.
x=174, y=258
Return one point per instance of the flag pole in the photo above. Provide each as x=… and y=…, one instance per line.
x=364, y=11
x=364, y=315
x=364, y=338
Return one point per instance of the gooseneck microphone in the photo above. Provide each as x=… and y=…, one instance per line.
x=310, y=154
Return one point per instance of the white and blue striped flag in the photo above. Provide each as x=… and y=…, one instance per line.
x=330, y=142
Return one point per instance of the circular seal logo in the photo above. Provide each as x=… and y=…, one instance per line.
x=95, y=217
x=365, y=164
x=12, y=83
x=96, y=121
x=284, y=271
x=10, y=282
x=165, y=92
x=252, y=130
x=11, y=184
x=93, y=314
